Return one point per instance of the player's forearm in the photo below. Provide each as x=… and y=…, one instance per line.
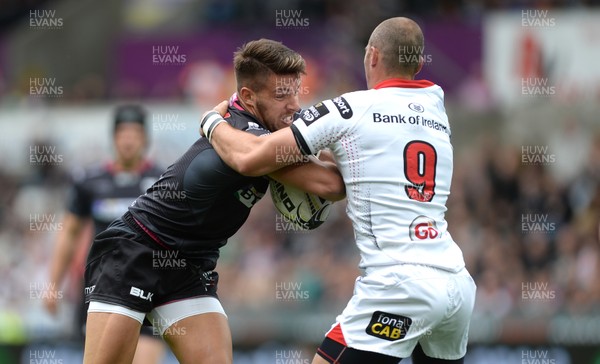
x=316, y=177
x=240, y=150
x=61, y=258
x=248, y=154
x=64, y=249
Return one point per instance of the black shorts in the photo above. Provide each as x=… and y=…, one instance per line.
x=81, y=319
x=126, y=268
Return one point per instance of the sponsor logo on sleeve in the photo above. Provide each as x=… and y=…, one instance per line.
x=313, y=113
x=343, y=107
x=388, y=326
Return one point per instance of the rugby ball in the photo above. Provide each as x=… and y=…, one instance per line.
x=304, y=210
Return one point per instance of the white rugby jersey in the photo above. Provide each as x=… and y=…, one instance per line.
x=392, y=146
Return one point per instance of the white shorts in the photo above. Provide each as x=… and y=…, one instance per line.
x=395, y=307
x=162, y=317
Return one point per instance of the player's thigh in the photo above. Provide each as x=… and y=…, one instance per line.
x=204, y=339
x=319, y=360
x=111, y=338
x=150, y=348
x=448, y=340
x=196, y=329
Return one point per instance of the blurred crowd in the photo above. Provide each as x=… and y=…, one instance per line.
x=530, y=240
x=343, y=25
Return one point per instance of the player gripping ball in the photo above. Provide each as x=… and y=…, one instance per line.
x=307, y=211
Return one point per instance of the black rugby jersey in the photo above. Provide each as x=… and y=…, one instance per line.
x=104, y=194
x=200, y=202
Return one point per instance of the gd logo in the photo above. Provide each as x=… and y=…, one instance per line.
x=422, y=228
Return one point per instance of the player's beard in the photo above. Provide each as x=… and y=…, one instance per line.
x=263, y=111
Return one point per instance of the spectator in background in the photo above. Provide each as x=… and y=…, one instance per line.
x=101, y=194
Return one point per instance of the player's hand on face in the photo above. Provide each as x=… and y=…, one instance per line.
x=221, y=108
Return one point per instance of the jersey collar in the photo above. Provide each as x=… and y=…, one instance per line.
x=399, y=82
x=234, y=102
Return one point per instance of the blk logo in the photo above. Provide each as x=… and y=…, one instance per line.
x=141, y=294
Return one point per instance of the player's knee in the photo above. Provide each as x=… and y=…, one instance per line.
x=220, y=357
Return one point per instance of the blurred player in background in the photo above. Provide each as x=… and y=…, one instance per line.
x=392, y=145
x=156, y=262
x=100, y=195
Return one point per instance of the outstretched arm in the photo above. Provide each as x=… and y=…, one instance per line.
x=62, y=256
x=315, y=176
x=255, y=156
x=246, y=153
x=250, y=155
x=272, y=154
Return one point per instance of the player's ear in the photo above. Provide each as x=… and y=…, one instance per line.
x=247, y=96
x=374, y=59
x=420, y=66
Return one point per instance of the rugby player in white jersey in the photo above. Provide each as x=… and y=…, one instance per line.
x=392, y=146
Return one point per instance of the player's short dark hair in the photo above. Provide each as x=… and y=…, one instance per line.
x=129, y=114
x=256, y=60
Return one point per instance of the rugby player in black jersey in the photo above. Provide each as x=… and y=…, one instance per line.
x=155, y=264
x=99, y=195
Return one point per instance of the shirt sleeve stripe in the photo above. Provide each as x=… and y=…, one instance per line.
x=302, y=145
